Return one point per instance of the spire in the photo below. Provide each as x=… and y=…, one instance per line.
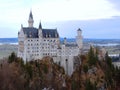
x=40, y=26
x=31, y=16
x=30, y=20
x=21, y=26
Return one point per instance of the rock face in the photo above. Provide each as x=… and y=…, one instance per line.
x=34, y=75
x=93, y=74
x=44, y=74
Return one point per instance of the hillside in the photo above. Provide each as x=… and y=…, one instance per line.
x=92, y=74
x=34, y=75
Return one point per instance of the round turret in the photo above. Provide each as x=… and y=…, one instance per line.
x=79, y=32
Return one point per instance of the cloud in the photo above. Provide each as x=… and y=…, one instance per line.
x=56, y=10
x=15, y=12
x=75, y=10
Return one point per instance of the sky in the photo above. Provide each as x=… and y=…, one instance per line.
x=96, y=18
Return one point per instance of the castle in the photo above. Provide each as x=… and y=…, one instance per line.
x=36, y=43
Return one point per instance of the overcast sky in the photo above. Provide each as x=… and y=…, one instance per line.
x=65, y=15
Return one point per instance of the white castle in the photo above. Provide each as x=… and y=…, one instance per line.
x=36, y=43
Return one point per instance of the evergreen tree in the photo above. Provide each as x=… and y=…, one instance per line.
x=29, y=71
x=108, y=61
x=12, y=57
x=90, y=86
x=92, y=58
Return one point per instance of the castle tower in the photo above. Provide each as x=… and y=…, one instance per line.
x=30, y=20
x=65, y=40
x=79, y=38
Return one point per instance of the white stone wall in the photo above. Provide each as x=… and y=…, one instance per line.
x=21, y=39
x=116, y=64
x=37, y=48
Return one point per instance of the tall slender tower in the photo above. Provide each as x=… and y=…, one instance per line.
x=79, y=38
x=30, y=20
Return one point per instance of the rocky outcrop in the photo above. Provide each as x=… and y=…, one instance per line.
x=44, y=74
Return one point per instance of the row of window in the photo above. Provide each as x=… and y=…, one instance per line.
x=45, y=54
x=31, y=44
x=48, y=54
x=50, y=40
x=45, y=47
x=35, y=55
x=32, y=40
x=32, y=51
x=34, y=47
x=43, y=40
x=36, y=51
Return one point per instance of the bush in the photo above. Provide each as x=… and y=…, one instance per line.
x=29, y=70
x=45, y=68
x=12, y=57
x=85, y=68
x=74, y=85
x=90, y=86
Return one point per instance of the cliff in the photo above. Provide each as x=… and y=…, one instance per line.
x=34, y=75
x=94, y=73
x=91, y=74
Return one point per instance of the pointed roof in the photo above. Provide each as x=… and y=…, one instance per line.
x=21, y=26
x=30, y=15
x=47, y=33
x=79, y=29
x=40, y=25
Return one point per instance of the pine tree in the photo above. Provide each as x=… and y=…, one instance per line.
x=92, y=58
x=12, y=57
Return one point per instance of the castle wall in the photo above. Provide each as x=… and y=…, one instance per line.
x=66, y=62
x=47, y=44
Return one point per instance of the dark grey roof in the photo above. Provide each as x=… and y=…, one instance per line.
x=50, y=33
x=71, y=45
x=31, y=32
x=79, y=29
